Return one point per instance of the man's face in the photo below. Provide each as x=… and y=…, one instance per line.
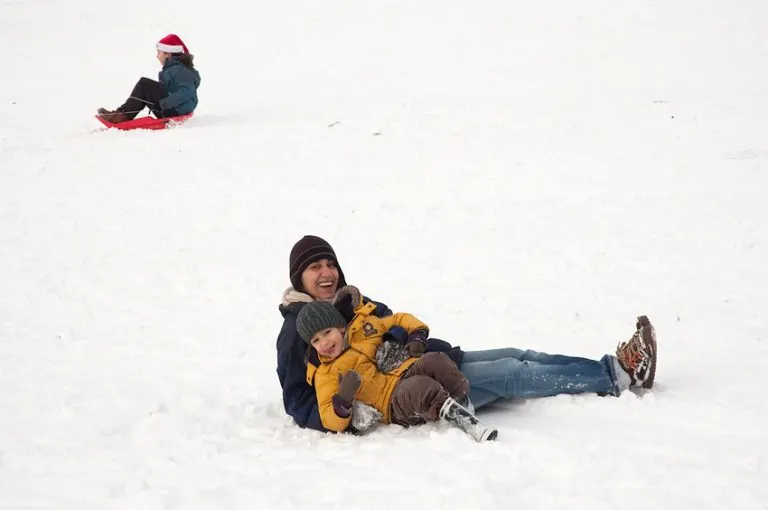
x=328, y=342
x=321, y=279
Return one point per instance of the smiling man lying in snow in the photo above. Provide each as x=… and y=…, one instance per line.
x=316, y=276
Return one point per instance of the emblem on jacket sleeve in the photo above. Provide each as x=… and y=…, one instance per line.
x=368, y=329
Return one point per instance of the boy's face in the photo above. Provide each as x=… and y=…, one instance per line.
x=329, y=342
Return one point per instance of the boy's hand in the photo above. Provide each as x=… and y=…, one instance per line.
x=417, y=342
x=348, y=386
x=349, y=383
x=416, y=348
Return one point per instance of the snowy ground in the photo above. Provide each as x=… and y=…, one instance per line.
x=532, y=174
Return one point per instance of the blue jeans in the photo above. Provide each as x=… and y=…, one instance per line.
x=515, y=373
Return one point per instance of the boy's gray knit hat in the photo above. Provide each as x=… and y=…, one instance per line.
x=317, y=316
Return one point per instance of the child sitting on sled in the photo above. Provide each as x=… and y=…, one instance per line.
x=424, y=388
x=174, y=94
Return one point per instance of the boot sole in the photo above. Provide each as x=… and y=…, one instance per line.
x=648, y=335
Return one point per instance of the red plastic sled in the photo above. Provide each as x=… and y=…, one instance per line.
x=147, y=122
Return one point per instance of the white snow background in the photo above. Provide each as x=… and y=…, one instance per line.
x=530, y=174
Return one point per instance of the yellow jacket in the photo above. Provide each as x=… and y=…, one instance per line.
x=364, y=335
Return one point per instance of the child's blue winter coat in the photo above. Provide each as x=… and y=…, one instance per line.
x=180, y=83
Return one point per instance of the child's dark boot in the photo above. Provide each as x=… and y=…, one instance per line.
x=115, y=117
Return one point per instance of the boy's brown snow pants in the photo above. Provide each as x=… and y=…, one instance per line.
x=424, y=388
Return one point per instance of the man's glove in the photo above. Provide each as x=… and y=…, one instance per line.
x=349, y=383
x=347, y=299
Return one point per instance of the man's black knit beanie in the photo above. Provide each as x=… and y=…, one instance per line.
x=307, y=250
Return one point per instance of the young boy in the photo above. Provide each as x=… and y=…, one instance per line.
x=423, y=388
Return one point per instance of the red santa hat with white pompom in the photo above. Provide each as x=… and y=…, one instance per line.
x=172, y=43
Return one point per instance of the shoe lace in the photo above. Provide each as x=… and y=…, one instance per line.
x=629, y=353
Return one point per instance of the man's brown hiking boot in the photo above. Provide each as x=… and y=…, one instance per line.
x=638, y=355
x=115, y=117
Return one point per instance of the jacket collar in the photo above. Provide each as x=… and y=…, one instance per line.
x=172, y=61
x=292, y=301
x=291, y=295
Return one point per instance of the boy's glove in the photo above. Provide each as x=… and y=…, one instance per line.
x=417, y=342
x=390, y=355
x=349, y=383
